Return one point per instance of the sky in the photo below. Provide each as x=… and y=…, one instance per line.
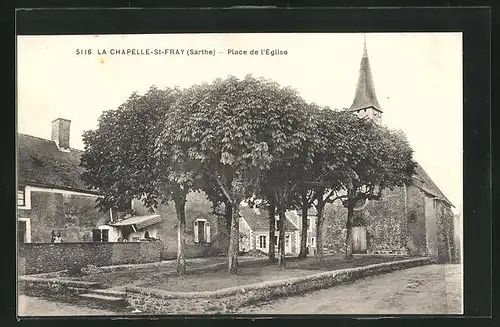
x=417, y=77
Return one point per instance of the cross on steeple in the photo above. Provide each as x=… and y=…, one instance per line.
x=365, y=53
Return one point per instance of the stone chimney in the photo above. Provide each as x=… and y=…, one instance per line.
x=60, y=133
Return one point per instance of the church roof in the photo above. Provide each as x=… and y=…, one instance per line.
x=365, y=96
x=423, y=181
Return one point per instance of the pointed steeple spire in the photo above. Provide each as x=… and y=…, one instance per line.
x=365, y=96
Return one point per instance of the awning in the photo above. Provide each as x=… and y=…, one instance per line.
x=139, y=221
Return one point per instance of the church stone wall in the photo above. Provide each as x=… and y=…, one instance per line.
x=415, y=221
x=431, y=227
x=445, y=235
x=385, y=221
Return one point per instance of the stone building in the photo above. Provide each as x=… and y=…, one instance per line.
x=50, y=195
x=416, y=219
x=254, y=231
x=205, y=232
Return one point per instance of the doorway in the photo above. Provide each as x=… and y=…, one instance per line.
x=24, y=230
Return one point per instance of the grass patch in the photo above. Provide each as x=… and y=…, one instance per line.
x=212, y=281
x=164, y=277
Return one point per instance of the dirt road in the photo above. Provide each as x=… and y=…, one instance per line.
x=34, y=306
x=433, y=289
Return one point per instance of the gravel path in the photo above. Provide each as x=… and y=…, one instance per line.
x=432, y=289
x=34, y=306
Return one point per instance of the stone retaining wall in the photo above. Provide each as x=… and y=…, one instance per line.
x=37, y=258
x=53, y=287
x=154, y=301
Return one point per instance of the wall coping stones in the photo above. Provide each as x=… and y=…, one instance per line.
x=64, y=282
x=164, y=294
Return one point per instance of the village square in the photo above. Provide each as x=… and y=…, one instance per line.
x=235, y=196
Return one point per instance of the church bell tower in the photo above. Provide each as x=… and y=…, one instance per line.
x=365, y=102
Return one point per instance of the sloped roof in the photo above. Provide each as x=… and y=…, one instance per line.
x=423, y=181
x=365, y=96
x=139, y=221
x=41, y=163
x=260, y=221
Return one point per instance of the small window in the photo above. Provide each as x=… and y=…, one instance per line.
x=309, y=227
x=21, y=199
x=275, y=240
x=287, y=240
x=412, y=218
x=262, y=242
x=313, y=241
x=104, y=235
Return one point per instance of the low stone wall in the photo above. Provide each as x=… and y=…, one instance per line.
x=37, y=258
x=154, y=301
x=53, y=288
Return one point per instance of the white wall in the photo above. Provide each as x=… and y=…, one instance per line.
x=115, y=233
x=256, y=235
x=139, y=235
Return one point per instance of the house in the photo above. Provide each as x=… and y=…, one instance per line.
x=416, y=218
x=130, y=229
x=254, y=231
x=50, y=194
x=311, y=230
x=205, y=233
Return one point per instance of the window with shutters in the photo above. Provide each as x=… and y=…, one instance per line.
x=201, y=229
x=100, y=235
x=262, y=242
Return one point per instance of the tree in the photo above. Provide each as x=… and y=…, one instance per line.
x=122, y=161
x=291, y=154
x=323, y=171
x=353, y=159
x=237, y=130
x=378, y=158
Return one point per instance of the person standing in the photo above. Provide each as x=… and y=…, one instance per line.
x=58, y=238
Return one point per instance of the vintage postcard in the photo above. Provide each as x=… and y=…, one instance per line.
x=249, y=174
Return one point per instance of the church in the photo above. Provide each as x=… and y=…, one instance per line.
x=416, y=219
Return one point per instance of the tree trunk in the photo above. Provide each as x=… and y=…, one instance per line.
x=228, y=216
x=234, y=241
x=281, y=240
x=180, y=207
x=303, y=233
x=348, y=241
x=272, y=227
x=319, y=232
